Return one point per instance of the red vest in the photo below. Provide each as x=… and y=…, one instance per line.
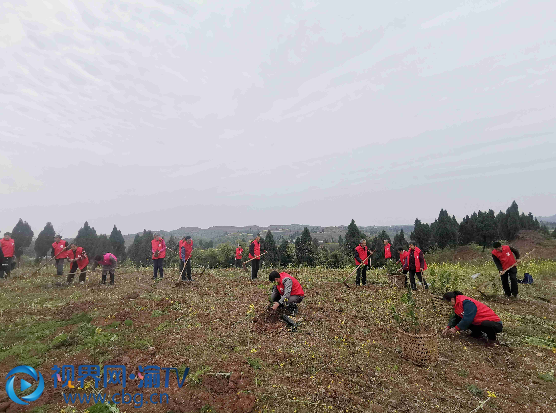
x=106, y=259
x=159, y=246
x=404, y=257
x=80, y=255
x=363, y=253
x=257, y=249
x=484, y=312
x=387, y=253
x=188, y=248
x=58, y=248
x=296, y=287
x=8, y=247
x=239, y=252
x=506, y=257
x=416, y=253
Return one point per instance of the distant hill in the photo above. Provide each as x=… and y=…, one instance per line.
x=230, y=234
x=548, y=219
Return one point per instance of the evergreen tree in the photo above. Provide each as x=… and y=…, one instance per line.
x=502, y=225
x=118, y=243
x=272, y=255
x=544, y=230
x=513, y=221
x=445, y=230
x=486, y=228
x=140, y=252
x=285, y=252
x=87, y=238
x=22, y=234
x=400, y=241
x=353, y=238
x=468, y=229
x=103, y=245
x=340, y=241
x=304, y=251
x=43, y=243
x=554, y=233
x=422, y=235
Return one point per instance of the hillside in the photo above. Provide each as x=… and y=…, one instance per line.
x=551, y=219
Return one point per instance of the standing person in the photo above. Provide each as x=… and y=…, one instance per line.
x=404, y=260
x=506, y=258
x=1, y=264
x=186, y=249
x=473, y=315
x=8, y=249
x=77, y=257
x=287, y=291
x=239, y=255
x=416, y=265
x=362, y=256
x=108, y=262
x=387, y=252
x=59, y=253
x=159, y=253
x=255, y=256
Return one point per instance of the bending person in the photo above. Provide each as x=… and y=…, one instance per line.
x=287, y=292
x=108, y=262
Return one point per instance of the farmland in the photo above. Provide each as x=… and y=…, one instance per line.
x=345, y=356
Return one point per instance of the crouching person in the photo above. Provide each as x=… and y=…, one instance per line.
x=78, y=259
x=287, y=292
x=473, y=315
x=108, y=262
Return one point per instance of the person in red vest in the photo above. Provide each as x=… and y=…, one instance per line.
x=108, y=262
x=403, y=259
x=8, y=249
x=287, y=292
x=362, y=255
x=78, y=259
x=159, y=253
x=186, y=249
x=59, y=253
x=416, y=265
x=387, y=252
x=239, y=255
x=506, y=258
x=470, y=314
x=255, y=254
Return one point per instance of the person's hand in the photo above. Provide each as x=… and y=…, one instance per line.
x=275, y=306
x=501, y=272
x=450, y=331
x=517, y=261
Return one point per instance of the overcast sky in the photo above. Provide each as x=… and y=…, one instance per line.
x=166, y=113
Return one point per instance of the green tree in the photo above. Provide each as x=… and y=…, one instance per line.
x=468, y=229
x=272, y=255
x=422, y=235
x=399, y=241
x=445, y=230
x=502, y=225
x=118, y=243
x=513, y=222
x=103, y=245
x=486, y=228
x=544, y=230
x=44, y=241
x=554, y=233
x=140, y=251
x=286, y=252
x=352, y=238
x=304, y=250
x=87, y=238
x=22, y=235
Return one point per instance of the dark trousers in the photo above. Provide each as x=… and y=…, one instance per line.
x=412, y=275
x=73, y=270
x=60, y=266
x=490, y=328
x=255, y=268
x=6, y=266
x=238, y=262
x=404, y=272
x=512, y=275
x=112, y=273
x=293, y=299
x=158, y=267
x=187, y=270
x=361, y=275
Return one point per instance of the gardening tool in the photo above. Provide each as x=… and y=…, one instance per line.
x=49, y=260
x=183, y=269
x=257, y=257
x=354, y=271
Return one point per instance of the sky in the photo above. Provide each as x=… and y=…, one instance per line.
x=163, y=114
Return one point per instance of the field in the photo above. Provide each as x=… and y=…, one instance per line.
x=344, y=357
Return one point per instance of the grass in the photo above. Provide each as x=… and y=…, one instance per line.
x=345, y=357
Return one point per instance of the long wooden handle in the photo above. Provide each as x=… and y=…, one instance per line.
x=259, y=257
x=47, y=262
x=355, y=270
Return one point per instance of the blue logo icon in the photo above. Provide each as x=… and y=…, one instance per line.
x=30, y=371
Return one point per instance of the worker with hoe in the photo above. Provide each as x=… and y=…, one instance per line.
x=108, y=262
x=239, y=255
x=59, y=253
x=362, y=257
x=7, y=244
x=186, y=249
x=286, y=293
x=159, y=253
x=78, y=259
x=255, y=256
x=387, y=250
x=416, y=265
x=472, y=315
x=506, y=258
